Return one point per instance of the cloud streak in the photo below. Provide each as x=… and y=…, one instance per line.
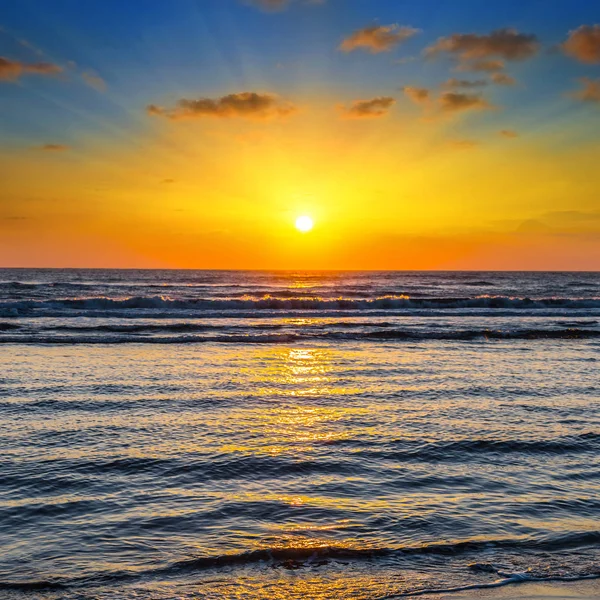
x=11, y=70
x=54, y=147
x=368, y=109
x=377, y=38
x=277, y=5
x=454, y=83
x=503, y=79
x=485, y=66
x=94, y=80
x=247, y=105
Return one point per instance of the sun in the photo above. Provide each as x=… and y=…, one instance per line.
x=304, y=224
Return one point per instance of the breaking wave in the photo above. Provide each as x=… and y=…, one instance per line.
x=301, y=303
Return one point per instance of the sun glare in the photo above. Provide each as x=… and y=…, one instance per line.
x=304, y=224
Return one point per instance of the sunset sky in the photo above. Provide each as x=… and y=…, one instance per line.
x=192, y=133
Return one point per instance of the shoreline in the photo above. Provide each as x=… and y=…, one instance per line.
x=582, y=589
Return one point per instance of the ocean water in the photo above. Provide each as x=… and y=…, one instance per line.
x=204, y=434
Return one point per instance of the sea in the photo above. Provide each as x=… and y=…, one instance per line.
x=250, y=434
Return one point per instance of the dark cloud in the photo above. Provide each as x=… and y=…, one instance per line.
x=248, y=105
x=376, y=107
x=503, y=79
x=508, y=133
x=377, y=38
x=583, y=44
x=11, y=70
x=454, y=83
x=507, y=44
x=168, y=181
x=590, y=91
x=417, y=94
x=457, y=102
x=54, y=147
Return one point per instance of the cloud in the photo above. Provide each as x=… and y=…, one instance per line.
x=590, y=91
x=463, y=144
x=377, y=38
x=508, y=133
x=416, y=94
x=11, y=70
x=507, y=44
x=277, y=5
x=503, y=79
x=454, y=83
x=376, y=107
x=456, y=102
x=54, y=147
x=247, y=105
x=486, y=66
x=583, y=44
x=168, y=181
x=94, y=80
x=447, y=102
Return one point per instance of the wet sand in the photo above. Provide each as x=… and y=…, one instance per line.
x=579, y=590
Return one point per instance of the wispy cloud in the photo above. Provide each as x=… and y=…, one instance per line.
x=590, y=91
x=583, y=44
x=377, y=38
x=486, y=66
x=54, y=147
x=418, y=95
x=277, y=5
x=508, y=133
x=11, y=70
x=94, y=80
x=375, y=107
x=463, y=144
x=269, y=5
x=503, y=79
x=248, y=105
x=454, y=83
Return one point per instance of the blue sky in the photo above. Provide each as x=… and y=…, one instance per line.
x=156, y=51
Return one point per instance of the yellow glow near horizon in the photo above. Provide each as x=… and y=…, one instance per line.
x=304, y=224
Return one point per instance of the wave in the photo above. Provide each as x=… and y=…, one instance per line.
x=301, y=303
x=383, y=335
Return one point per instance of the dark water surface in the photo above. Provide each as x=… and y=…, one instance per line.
x=189, y=434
